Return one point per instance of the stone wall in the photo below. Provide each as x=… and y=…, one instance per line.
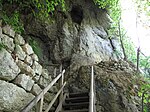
x=21, y=75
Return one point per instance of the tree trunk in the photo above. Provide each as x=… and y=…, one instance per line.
x=138, y=58
x=121, y=41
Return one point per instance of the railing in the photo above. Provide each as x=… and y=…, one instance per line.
x=38, y=100
x=92, y=93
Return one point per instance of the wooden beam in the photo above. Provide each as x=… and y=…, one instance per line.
x=54, y=99
x=39, y=106
x=59, y=107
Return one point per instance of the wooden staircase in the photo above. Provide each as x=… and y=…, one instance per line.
x=76, y=102
x=72, y=102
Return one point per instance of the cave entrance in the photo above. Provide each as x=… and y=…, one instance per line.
x=77, y=14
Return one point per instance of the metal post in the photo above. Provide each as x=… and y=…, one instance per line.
x=39, y=105
x=91, y=106
x=61, y=82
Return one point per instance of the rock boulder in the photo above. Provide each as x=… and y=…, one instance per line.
x=19, y=40
x=8, y=42
x=8, y=31
x=24, y=81
x=8, y=68
x=12, y=97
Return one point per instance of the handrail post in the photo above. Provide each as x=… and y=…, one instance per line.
x=39, y=105
x=61, y=82
x=91, y=105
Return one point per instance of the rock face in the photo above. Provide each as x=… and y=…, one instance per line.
x=12, y=98
x=114, y=89
x=73, y=38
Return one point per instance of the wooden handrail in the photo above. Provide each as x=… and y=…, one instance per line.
x=39, y=98
x=56, y=96
x=92, y=93
x=59, y=107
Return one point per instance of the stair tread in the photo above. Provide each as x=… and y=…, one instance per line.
x=81, y=110
x=78, y=94
x=75, y=104
x=75, y=98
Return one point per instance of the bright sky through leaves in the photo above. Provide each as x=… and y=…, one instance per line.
x=141, y=30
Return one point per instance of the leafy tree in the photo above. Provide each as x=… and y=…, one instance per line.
x=145, y=94
x=106, y=4
x=14, y=21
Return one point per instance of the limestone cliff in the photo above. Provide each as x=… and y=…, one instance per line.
x=78, y=39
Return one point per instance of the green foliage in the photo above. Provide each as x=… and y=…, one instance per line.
x=36, y=48
x=130, y=49
x=14, y=21
x=106, y=3
x=38, y=7
x=142, y=6
x=44, y=7
x=41, y=9
x=144, y=93
x=144, y=61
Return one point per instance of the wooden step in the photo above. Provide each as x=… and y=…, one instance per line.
x=83, y=110
x=77, y=99
x=71, y=95
x=83, y=105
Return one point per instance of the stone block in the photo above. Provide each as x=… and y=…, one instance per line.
x=8, y=42
x=34, y=57
x=28, y=49
x=8, y=68
x=37, y=68
x=49, y=97
x=36, y=89
x=24, y=81
x=25, y=68
x=43, y=81
x=54, y=89
x=12, y=97
x=28, y=60
x=45, y=74
x=19, y=40
x=8, y=31
x=19, y=52
x=36, y=78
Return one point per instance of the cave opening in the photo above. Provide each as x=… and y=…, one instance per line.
x=77, y=14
